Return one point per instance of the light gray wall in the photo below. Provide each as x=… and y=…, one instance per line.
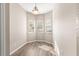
x=64, y=28
x=17, y=27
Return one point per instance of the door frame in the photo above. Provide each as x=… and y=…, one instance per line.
x=4, y=29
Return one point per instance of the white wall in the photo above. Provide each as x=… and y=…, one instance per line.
x=64, y=28
x=17, y=27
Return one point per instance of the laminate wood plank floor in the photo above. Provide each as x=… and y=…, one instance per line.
x=32, y=49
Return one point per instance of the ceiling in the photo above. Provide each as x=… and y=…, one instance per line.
x=43, y=7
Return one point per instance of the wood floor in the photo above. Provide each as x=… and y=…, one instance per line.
x=38, y=49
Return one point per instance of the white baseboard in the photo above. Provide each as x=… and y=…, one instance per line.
x=11, y=53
